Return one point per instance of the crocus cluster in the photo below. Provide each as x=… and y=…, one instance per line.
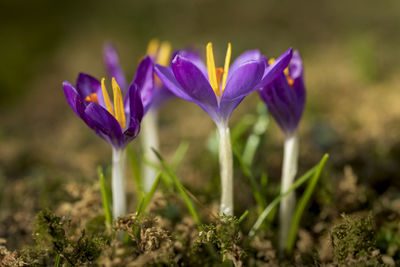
x=217, y=90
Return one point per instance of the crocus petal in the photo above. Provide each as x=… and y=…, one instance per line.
x=243, y=80
x=135, y=114
x=167, y=77
x=135, y=102
x=87, y=85
x=144, y=79
x=274, y=70
x=74, y=100
x=243, y=58
x=194, y=58
x=195, y=84
x=105, y=125
x=296, y=66
x=113, y=67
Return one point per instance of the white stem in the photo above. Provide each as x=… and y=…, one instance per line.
x=149, y=138
x=226, y=170
x=118, y=183
x=288, y=203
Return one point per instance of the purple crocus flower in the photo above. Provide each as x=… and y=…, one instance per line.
x=218, y=91
x=116, y=123
x=152, y=92
x=285, y=96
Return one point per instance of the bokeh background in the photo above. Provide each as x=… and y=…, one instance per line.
x=350, y=51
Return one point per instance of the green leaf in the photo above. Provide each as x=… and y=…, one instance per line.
x=105, y=197
x=136, y=170
x=276, y=201
x=57, y=262
x=253, y=183
x=179, y=186
x=150, y=194
x=302, y=205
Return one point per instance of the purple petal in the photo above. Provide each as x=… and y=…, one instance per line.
x=249, y=55
x=144, y=79
x=273, y=71
x=113, y=67
x=135, y=103
x=296, y=66
x=195, y=84
x=194, y=58
x=87, y=85
x=74, y=100
x=243, y=80
x=105, y=125
x=135, y=114
x=167, y=77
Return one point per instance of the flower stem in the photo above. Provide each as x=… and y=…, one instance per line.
x=288, y=203
x=149, y=139
x=226, y=170
x=118, y=183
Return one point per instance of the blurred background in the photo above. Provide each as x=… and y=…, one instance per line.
x=351, y=56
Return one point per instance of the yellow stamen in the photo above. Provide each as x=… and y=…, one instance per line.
x=271, y=61
x=211, y=69
x=106, y=97
x=226, y=67
x=164, y=54
x=286, y=71
x=92, y=98
x=152, y=48
x=118, y=104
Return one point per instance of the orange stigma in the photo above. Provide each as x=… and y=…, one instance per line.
x=289, y=79
x=92, y=98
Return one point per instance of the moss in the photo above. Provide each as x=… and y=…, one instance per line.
x=354, y=242
x=224, y=237
x=53, y=236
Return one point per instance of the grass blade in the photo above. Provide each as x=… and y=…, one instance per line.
x=253, y=183
x=179, y=155
x=244, y=216
x=276, y=201
x=179, y=186
x=150, y=194
x=254, y=140
x=105, y=197
x=136, y=170
x=303, y=203
x=57, y=262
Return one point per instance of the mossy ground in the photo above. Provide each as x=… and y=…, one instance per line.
x=48, y=157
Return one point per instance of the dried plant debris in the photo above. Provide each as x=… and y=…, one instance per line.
x=153, y=244
x=354, y=242
x=8, y=258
